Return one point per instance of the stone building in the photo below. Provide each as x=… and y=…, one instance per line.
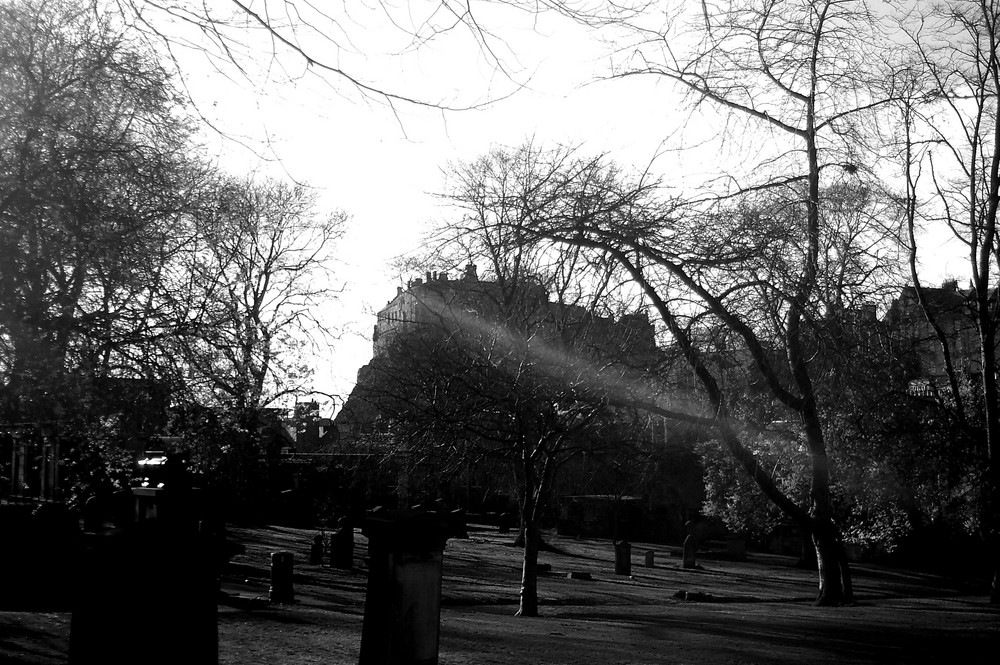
x=559, y=341
x=916, y=343
x=439, y=304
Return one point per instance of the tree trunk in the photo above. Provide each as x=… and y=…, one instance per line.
x=835, y=585
x=990, y=518
x=991, y=521
x=529, y=572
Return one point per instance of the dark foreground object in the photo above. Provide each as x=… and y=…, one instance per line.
x=147, y=594
x=39, y=557
x=148, y=589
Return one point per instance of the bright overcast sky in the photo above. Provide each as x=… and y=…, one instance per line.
x=383, y=165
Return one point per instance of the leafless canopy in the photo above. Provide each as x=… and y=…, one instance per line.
x=357, y=48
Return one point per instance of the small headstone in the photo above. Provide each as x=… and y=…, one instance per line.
x=505, y=522
x=92, y=515
x=650, y=558
x=623, y=558
x=689, y=548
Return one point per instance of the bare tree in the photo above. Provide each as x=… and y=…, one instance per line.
x=471, y=400
x=744, y=281
x=509, y=367
x=798, y=85
x=342, y=44
x=257, y=276
x=951, y=157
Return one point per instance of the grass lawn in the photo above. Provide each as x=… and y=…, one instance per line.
x=757, y=611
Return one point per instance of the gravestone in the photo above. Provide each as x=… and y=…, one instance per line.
x=505, y=522
x=457, y=525
x=650, y=558
x=623, y=558
x=342, y=545
x=690, y=546
x=402, y=616
x=696, y=531
x=316, y=551
x=281, y=590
